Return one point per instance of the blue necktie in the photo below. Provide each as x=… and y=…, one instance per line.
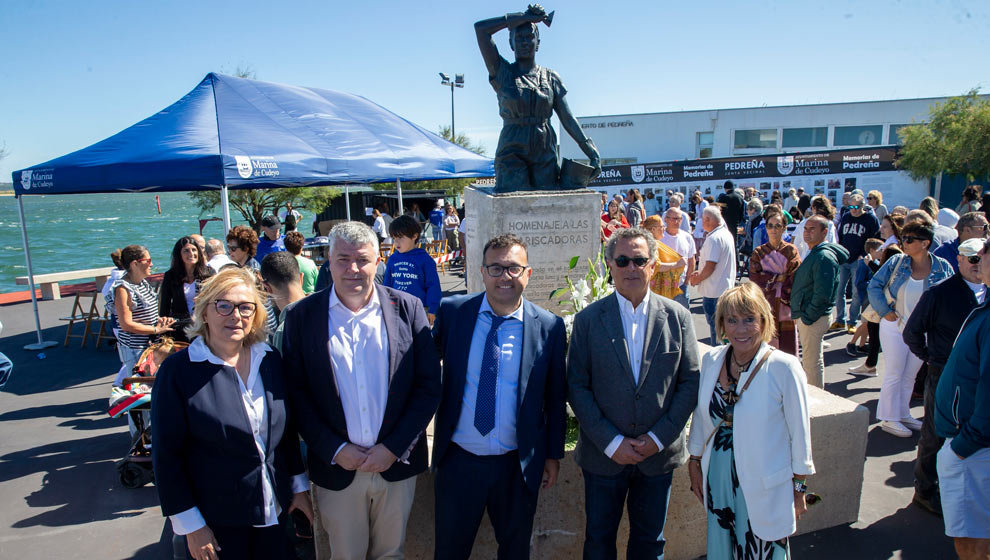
x=484, y=408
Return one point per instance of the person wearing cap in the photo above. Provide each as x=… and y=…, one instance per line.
x=972, y=225
x=270, y=241
x=930, y=333
x=894, y=292
x=962, y=399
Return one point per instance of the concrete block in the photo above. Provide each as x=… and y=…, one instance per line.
x=556, y=226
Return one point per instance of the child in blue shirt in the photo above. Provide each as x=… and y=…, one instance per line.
x=411, y=269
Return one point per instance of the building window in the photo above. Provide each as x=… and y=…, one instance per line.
x=619, y=161
x=761, y=138
x=703, y=144
x=805, y=137
x=895, y=137
x=869, y=135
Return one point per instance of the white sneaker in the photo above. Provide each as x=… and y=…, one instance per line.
x=912, y=423
x=863, y=370
x=895, y=428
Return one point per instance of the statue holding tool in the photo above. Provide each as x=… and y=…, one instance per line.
x=528, y=95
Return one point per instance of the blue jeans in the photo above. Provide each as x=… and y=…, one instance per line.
x=646, y=499
x=846, y=275
x=708, y=304
x=437, y=232
x=685, y=298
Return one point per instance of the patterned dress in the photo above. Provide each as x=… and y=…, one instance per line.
x=729, y=532
x=778, y=293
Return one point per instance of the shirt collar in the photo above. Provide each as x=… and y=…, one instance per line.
x=626, y=306
x=517, y=314
x=200, y=352
x=373, y=303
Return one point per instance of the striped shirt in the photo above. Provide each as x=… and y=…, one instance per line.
x=144, y=310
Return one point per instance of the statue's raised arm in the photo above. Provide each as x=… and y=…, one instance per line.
x=528, y=95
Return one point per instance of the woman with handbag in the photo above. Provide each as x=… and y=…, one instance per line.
x=894, y=292
x=750, y=439
x=772, y=268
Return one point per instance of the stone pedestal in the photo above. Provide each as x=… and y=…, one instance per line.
x=556, y=226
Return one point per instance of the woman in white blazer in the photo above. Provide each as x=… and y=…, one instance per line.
x=750, y=440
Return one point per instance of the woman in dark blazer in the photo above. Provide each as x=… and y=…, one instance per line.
x=181, y=283
x=225, y=454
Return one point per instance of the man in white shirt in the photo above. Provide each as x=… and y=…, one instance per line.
x=364, y=381
x=717, y=264
x=216, y=255
x=683, y=244
x=632, y=372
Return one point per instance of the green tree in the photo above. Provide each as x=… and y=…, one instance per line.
x=255, y=204
x=451, y=187
x=955, y=140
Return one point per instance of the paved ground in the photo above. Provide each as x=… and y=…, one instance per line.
x=61, y=497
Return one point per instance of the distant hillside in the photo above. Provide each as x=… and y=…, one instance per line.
x=6, y=186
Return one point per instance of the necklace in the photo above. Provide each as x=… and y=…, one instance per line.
x=739, y=366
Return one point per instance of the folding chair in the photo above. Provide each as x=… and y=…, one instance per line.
x=80, y=314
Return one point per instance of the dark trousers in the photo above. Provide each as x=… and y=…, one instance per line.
x=248, y=543
x=646, y=499
x=925, y=475
x=874, y=348
x=467, y=485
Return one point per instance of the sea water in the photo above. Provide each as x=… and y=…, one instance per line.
x=74, y=232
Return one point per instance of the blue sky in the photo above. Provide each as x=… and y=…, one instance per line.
x=77, y=72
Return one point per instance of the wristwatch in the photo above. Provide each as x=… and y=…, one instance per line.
x=800, y=486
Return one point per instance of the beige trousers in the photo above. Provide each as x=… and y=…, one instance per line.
x=366, y=520
x=812, y=358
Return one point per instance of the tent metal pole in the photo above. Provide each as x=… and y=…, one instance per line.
x=398, y=185
x=347, y=200
x=225, y=206
x=41, y=344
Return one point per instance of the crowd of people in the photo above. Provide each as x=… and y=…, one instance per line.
x=354, y=361
x=904, y=282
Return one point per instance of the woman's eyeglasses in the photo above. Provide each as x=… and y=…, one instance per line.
x=909, y=239
x=225, y=308
x=623, y=261
x=775, y=226
x=232, y=248
x=146, y=261
x=855, y=207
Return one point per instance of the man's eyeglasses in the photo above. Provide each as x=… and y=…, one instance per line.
x=855, y=207
x=497, y=270
x=975, y=259
x=623, y=261
x=225, y=308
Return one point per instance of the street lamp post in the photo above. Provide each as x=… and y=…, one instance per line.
x=458, y=81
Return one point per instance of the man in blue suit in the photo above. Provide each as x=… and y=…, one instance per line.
x=499, y=432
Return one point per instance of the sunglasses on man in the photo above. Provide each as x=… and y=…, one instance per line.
x=623, y=261
x=974, y=259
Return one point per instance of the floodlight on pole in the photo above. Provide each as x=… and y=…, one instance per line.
x=458, y=81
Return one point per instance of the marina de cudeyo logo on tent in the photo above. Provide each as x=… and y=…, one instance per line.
x=244, y=168
x=26, y=179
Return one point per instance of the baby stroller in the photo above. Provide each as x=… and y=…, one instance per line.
x=134, y=399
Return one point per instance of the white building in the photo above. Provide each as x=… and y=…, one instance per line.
x=627, y=140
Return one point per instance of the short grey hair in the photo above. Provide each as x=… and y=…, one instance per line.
x=856, y=199
x=754, y=204
x=630, y=233
x=970, y=219
x=214, y=247
x=678, y=197
x=713, y=212
x=355, y=233
x=675, y=210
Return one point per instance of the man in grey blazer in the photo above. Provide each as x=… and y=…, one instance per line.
x=632, y=372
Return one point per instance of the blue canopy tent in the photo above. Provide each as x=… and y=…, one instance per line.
x=236, y=133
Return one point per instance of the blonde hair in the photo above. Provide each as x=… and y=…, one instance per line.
x=743, y=300
x=228, y=279
x=877, y=195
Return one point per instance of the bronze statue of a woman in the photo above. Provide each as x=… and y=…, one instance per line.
x=526, y=157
